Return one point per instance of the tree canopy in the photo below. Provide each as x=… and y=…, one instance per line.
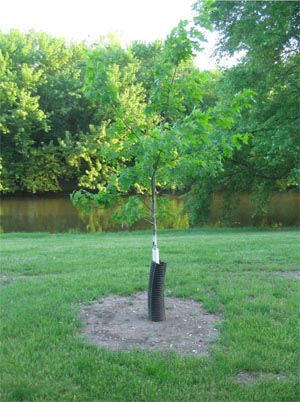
x=158, y=136
x=265, y=35
x=41, y=99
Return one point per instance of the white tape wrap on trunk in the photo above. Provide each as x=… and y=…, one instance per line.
x=155, y=255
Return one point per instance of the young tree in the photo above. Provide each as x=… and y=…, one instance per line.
x=154, y=139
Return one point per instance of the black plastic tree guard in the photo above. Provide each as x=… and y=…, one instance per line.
x=156, y=299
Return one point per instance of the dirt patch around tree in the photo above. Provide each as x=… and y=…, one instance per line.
x=121, y=323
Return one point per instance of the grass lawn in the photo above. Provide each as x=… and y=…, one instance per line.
x=246, y=275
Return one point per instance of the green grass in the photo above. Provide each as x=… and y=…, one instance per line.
x=45, y=277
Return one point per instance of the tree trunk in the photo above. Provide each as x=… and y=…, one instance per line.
x=155, y=250
x=156, y=297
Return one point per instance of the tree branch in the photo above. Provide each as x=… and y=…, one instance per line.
x=256, y=172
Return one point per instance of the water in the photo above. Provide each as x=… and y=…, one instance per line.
x=283, y=211
x=56, y=213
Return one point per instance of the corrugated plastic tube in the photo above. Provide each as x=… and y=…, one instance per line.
x=156, y=297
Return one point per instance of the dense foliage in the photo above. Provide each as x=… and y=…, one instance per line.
x=264, y=35
x=97, y=115
x=159, y=136
x=41, y=99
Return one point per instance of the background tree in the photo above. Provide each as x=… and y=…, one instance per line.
x=41, y=98
x=266, y=34
x=21, y=117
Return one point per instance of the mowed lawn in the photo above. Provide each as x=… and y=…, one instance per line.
x=249, y=276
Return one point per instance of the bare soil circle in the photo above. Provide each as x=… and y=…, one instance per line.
x=121, y=323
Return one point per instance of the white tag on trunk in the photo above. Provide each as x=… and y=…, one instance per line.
x=155, y=255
